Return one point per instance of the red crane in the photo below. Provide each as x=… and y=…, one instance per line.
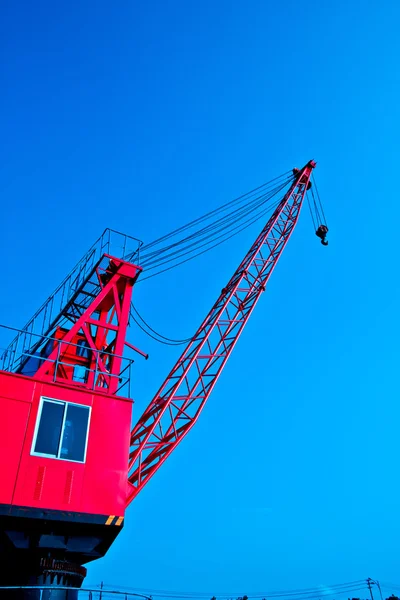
x=182, y=396
x=65, y=412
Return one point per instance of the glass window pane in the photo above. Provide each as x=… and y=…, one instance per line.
x=49, y=432
x=75, y=430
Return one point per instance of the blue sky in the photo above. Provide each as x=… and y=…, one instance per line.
x=142, y=116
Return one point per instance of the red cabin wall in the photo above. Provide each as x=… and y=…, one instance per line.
x=98, y=486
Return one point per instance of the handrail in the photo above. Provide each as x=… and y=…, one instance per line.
x=101, y=592
x=11, y=362
x=110, y=242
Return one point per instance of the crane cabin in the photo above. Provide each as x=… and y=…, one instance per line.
x=65, y=420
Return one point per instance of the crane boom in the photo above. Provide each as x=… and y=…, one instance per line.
x=177, y=405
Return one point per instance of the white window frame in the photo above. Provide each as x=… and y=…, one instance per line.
x=65, y=403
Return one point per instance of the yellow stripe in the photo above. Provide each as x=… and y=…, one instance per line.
x=110, y=519
x=119, y=520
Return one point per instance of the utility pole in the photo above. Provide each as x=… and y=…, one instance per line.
x=370, y=582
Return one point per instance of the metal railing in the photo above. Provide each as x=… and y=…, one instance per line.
x=45, y=592
x=110, y=242
x=19, y=358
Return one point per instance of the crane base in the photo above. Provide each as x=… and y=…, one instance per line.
x=48, y=548
x=52, y=578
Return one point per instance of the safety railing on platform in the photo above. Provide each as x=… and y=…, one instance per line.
x=19, y=358
x=110, y=242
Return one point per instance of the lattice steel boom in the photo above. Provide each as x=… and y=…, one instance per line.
x=177, y=405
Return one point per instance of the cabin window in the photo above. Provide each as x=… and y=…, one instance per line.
x=61, y=430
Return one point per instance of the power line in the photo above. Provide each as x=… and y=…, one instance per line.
x=301, y=594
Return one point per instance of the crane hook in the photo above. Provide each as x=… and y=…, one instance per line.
x=321, y=233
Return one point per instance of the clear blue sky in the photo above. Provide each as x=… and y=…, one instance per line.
x=142, y=115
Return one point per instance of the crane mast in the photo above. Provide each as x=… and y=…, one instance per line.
x=178, y=403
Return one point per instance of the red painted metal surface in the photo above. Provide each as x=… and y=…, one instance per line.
x=97, y=315
x=102, y=324
x=178, y=403
x=96, y=486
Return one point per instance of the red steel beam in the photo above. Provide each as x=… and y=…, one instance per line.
x=105, y=339
x=178, y=403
